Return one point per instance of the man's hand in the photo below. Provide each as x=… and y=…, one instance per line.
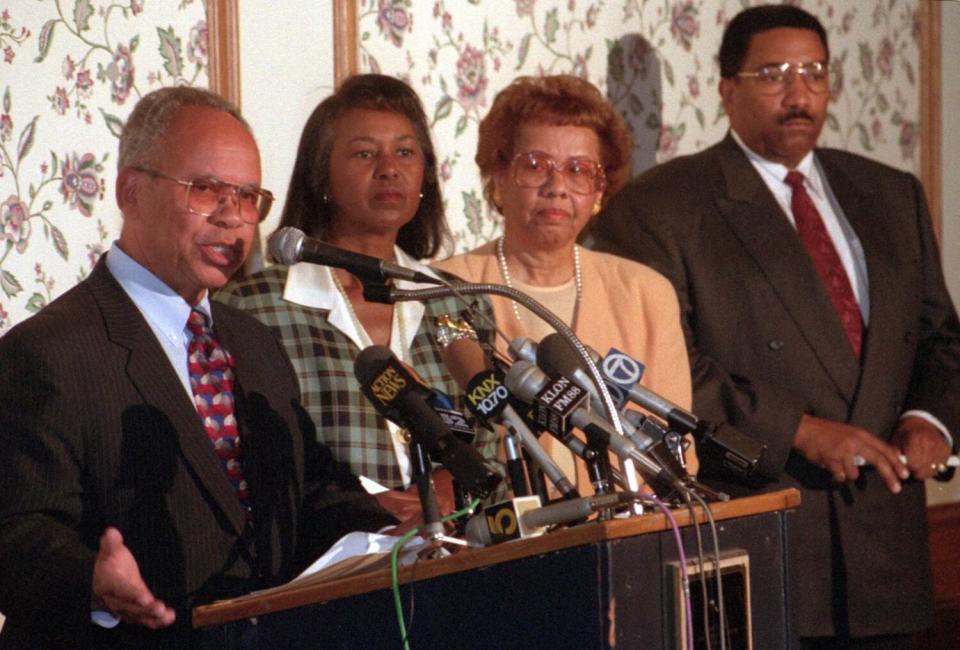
x=833, y=446
x=923, y=445
x=118, y=587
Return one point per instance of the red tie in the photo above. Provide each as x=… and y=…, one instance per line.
x=211, y=378
x=820, y=247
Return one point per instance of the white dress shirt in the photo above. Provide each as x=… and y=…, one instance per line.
x=844, y=238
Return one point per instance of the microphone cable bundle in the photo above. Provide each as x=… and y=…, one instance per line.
x=555, y=386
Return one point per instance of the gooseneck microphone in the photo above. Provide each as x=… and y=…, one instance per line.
x=399, y=395
x=290, y=245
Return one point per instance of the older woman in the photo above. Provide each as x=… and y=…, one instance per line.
x=365, y=180
x=551, y=151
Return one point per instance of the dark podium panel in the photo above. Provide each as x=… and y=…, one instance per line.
x=601, y=585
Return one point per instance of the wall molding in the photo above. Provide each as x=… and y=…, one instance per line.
x=345, y=45
x=223, y=48
x=930, y=107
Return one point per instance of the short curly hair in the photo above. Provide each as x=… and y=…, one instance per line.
x=556, y=100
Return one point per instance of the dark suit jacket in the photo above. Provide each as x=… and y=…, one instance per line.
x=96, y=430
x=766, y=346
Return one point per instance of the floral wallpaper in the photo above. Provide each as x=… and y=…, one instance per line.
x=654, y=59
x=72, y=69
x=71, y=72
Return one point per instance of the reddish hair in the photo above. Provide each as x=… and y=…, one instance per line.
x=555, y=100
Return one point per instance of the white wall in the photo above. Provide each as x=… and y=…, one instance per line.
x=286, y=56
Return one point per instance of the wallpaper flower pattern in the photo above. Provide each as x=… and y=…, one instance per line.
x=71, y=72
x=654, y=59
x=72, y=69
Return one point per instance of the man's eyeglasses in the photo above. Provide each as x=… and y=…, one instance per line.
x=533, y=169
x=774, y=78
x=207, y=194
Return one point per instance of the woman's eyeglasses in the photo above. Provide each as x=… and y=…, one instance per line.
x=533, y=169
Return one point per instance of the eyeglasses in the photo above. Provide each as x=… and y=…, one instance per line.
x=774, y=78
x=533, y=169
x=207, y=194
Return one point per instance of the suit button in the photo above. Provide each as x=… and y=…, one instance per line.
x=775, y=344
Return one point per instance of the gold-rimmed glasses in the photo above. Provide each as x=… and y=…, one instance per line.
x=533, y=169
x=774, y=78
x=206, y=194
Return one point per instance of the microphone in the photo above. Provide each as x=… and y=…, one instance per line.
x=399, y=395
x=558, y=403
x=676, y=417
x=487, y=398
x=556, y=357
x=502, y=522
x=525, y=348
x=721, y=445
x=290, y=245
x=520, y=518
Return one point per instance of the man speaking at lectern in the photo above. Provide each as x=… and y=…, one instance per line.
x=151, y=450
x=817, y=321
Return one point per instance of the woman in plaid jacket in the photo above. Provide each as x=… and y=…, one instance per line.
x=365, y=180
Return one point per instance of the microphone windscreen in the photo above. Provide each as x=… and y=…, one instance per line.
x=285, y=245
x=556, y=356
x=370, y=361
x=464, y=358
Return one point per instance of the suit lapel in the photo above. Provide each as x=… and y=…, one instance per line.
x=759, y=223
x=150, y=372
x=864, y=212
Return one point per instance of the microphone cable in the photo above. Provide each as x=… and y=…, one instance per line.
x=684, y=576
x=701, y=567
x=395, y=570
x=721, y=609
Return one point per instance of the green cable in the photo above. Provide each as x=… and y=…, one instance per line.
x=395, y=568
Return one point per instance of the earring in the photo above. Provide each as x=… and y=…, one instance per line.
x=497, y=202
x=326, y=199
x=596, y=209
x=421, y=195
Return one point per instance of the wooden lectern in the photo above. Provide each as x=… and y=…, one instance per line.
x=609, y=584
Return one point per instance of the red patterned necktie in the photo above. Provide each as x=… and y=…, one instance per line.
x=211, y=379
x=820, y=247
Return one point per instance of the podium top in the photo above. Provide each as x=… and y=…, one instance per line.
x=254, y=605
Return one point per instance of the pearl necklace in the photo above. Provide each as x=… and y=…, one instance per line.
x=361, y=331
x=577, y=278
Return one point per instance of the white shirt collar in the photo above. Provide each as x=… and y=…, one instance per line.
x=311, y=285
x=811, y=172
x=164, y=308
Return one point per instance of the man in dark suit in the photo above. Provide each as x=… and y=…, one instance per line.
x=844, y=357
x=117, y=499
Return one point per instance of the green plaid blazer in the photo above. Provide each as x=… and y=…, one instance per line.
x=323, y=356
